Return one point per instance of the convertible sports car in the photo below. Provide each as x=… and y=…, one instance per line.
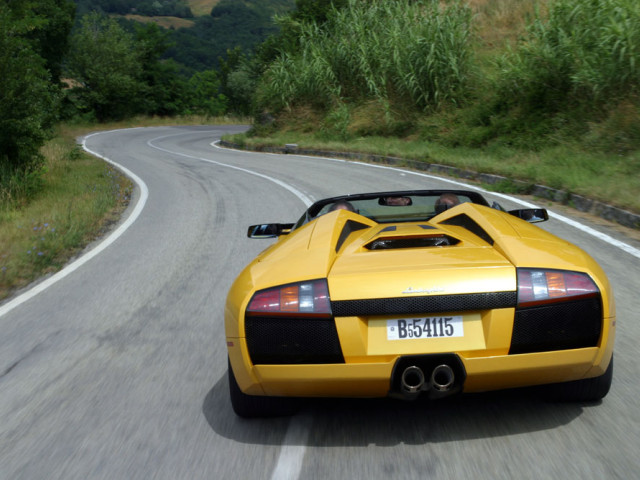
x=416, y=293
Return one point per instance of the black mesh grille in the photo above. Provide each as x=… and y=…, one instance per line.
x=288, y=341
x=557, y=327
x=432, y=304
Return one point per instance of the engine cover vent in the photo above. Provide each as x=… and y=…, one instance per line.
x=423, y=241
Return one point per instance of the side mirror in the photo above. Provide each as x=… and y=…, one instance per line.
x=497, y=206
x=531, y=215
x=269, y=230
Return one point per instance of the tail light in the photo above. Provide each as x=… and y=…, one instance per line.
x=537, y=287
x=307, y=298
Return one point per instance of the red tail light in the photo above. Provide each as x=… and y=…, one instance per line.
x=307, y=298
x=537, y=287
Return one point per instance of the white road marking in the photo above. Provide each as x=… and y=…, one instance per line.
x=72, y=267
x=583, y=228
x=289, y=464
x=304, y=198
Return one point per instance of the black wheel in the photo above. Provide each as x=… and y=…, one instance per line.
x=587, y=390
x=253, y=406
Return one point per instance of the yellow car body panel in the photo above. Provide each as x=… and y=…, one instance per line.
x=320, y=249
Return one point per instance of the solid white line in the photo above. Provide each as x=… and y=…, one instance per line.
x=72, y=267
x=289, y=463
x=583, y=228
x=303, y=197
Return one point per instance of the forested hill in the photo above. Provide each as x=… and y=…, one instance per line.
x=173, y=8
x=229, y=24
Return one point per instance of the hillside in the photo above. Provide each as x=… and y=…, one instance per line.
x=167, y=22
x=201, y=31
x=231, y=24
x=173, y=8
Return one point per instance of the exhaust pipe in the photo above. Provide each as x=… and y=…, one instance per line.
x=437, y=375
x=442, y=378
x=412, y=380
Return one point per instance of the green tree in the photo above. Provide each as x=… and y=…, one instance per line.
x=106, y=63
x=204, y=94
x=165, y=87
x=173, y=8
x=46, y=24
x=232, y=23
x=28, y=101
x=239, y=75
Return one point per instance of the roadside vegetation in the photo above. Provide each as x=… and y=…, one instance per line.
x=77, y=198
x=611, y=178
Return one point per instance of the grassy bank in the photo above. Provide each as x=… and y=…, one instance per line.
x=610, y=178
x=79, y=199
x=80, y=196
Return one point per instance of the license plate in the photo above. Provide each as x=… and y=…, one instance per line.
x=429, y=327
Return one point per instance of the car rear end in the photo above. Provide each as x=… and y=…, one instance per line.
x=423, y=309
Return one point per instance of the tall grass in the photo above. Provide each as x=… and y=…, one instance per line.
x=414, y=52
x=17, y=186
x=581, y=52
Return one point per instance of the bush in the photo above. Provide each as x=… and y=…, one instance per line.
x=28, y=103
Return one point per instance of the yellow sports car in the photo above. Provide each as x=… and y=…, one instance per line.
x=416, y=293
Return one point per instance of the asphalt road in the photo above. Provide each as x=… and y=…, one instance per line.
x=118, y=369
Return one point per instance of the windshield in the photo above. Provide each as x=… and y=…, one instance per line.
x=393, y=207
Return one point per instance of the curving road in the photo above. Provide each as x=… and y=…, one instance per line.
x=117, y=369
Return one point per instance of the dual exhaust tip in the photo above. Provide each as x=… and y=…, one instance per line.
x=413, y=380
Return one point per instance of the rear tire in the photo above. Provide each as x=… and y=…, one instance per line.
x=255, y=406
x=586, y=390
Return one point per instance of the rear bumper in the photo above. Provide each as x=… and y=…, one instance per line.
x=373, y=378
